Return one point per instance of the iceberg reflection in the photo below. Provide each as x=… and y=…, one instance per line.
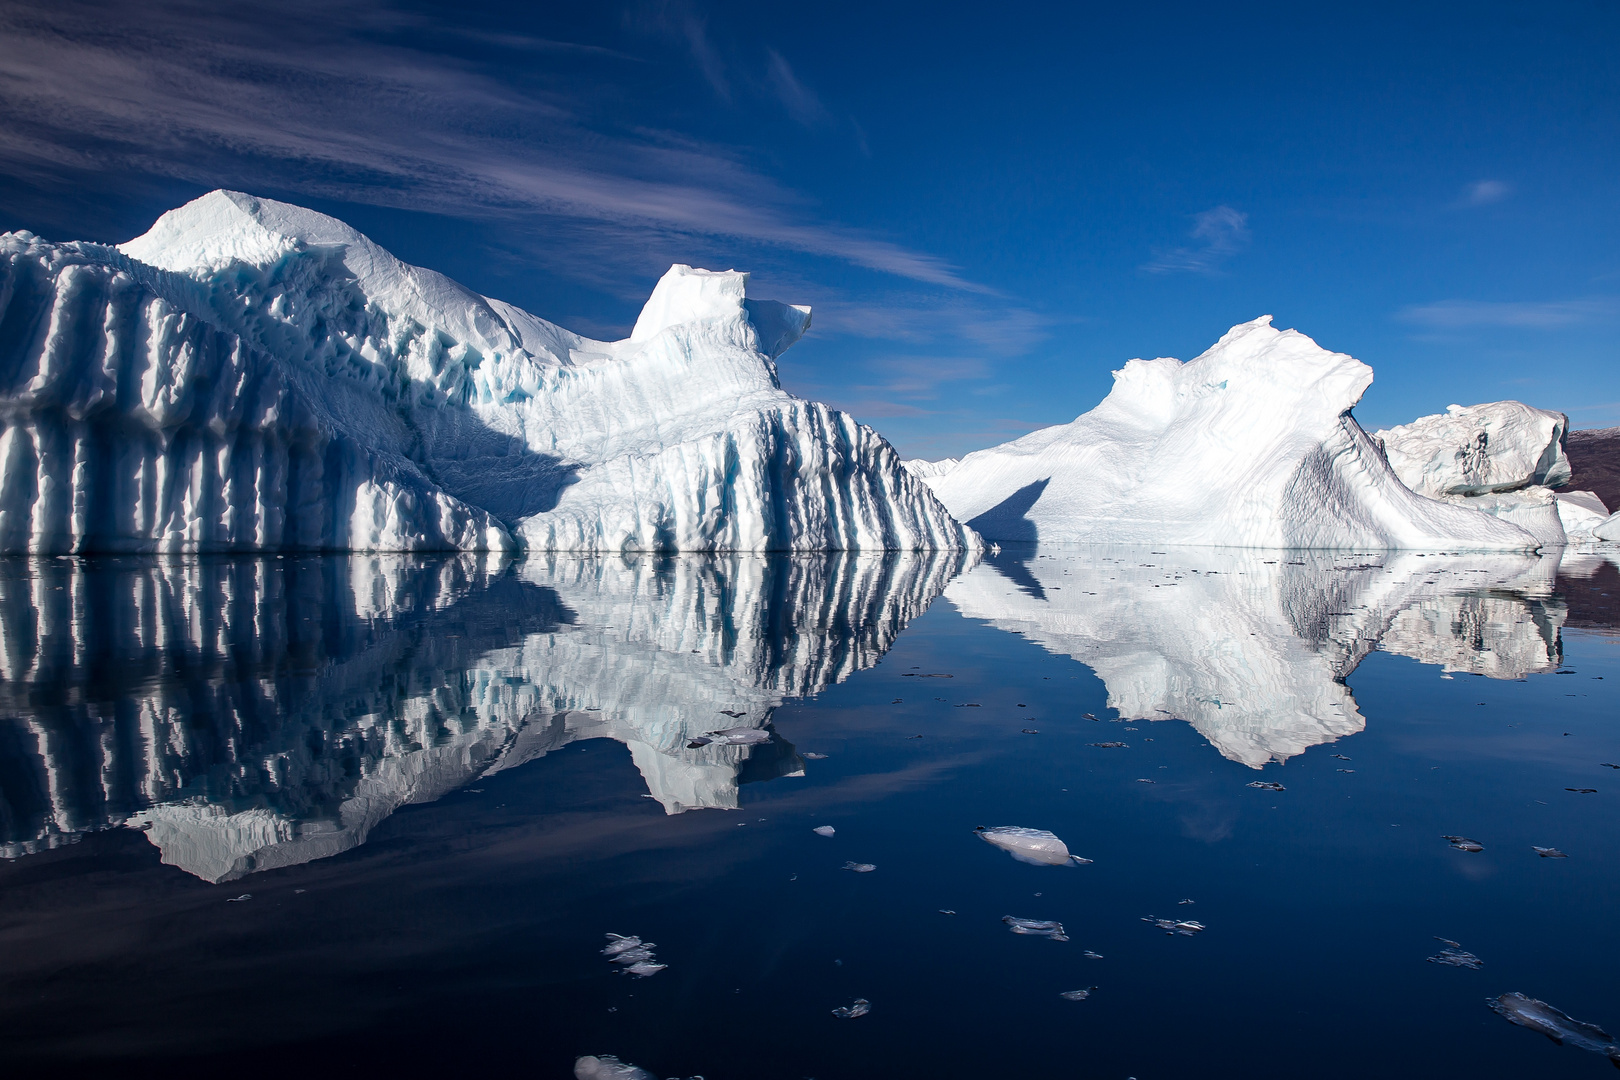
x=1252, y=647
x=260, y=712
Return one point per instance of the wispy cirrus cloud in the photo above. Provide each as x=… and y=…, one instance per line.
x=1485, y=192
x=799, y=100
x=1220, y=232
x=1472, y=314
x=366, y=103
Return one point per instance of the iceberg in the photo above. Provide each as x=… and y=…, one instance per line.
x=1581, y=514
x=254, y=376
x=1251, y=444
x=1503, y=458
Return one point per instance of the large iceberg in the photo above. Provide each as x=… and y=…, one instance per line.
x=1251, y=444
x=251, y=375
x=1502, y=458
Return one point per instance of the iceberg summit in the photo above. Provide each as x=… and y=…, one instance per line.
x=254, y=376
x=1251, y=444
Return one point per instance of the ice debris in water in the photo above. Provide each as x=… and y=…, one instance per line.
x=1549, y=852
x=1089, y=955
x=633, y=955
x=1112, y=745
x=824, y=830
x=608, y=1067
x=1047, y=928
x=741, y=736
x=860, y=867
x=1462, y=843
x=1187, y=927
x=849, y=1012
x=1454, y=955
x=1539, y=1016
x=1267, y=785
x=1035, y=846
x=1582, y=790
x=239, y=899
x=816, y=757
x=1077, y=995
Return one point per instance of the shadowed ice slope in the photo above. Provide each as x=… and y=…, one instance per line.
x=1249, y=445
x=1253, y=647
x=252, y=713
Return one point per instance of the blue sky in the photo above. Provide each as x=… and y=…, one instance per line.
x=990, y=208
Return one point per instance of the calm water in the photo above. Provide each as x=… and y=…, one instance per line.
x=436, y=784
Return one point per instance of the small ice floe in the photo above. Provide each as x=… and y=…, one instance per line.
x=1185, y=927
x=1046, y=928
x=1539, y=1016
x=1548, y=852
x=1077, y=995
x=634, y=956
x=1582, y=790
x=608, y=1067
x=1089, y=716
x=741, y=736
x=860, y=867
x=946, y=911
x=1344, y=770
x=824, y=830
x=1454, y=955
x=1111, y=745
x=1267, y=785
x=1341, y=757
x=1089, y=955
x=1035, y=846
x=1030, y=731
x=815, y=757
x=1462, y=843
x=1145, y=780
x=733, y=715
x=1186, y=901
x=849, y=1012
x=698, y=742
x=239, y=899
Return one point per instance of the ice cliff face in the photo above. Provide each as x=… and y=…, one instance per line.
x=1249, y=445
x=1503, y=458
x=250, y=376
x=1252, y=648
x=253, y=713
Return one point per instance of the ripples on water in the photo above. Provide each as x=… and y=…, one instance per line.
x=441, y=781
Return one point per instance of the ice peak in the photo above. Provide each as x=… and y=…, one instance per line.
x=224, y=227
x=686, y=295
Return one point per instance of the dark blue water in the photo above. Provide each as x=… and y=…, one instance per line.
x=442, y=782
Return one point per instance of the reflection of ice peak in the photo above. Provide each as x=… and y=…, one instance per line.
x=250, y=713
x=1252, y=647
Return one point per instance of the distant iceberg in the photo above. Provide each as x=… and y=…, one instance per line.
x=1503, y=458
x=254, y=376
x=1251, y=444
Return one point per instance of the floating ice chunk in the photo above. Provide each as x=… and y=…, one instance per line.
x=860, y=867
x=620, y=943
x=849, y=1012
x=645, y=969
x=634, y=956
x=1047, y=928
x=1462, y=843
x=1089, y=955
x=824, y=830
x=1034, y=846
x=608, y=1067
x=1186, y=927
x=1111, y=745
x=1454, y=955
x=1266, y=785
x=815, y=757
x=1548, y=852
x=1077, y=995
x=1582, y=790
x=239, y=899
x=741, y=736
x=1560, y=1028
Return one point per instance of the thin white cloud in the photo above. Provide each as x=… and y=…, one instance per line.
x=1221, y=232
x=800, y=101
x=320, y=98
x=1485, y=192
x=1472, y=314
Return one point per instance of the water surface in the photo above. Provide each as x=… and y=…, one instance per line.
x=443, y=781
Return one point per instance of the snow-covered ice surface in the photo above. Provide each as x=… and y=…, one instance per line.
x=251, y=375
x=1502, y=458
x=1251, y=444
x=1252, y=648
x=422, y=674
